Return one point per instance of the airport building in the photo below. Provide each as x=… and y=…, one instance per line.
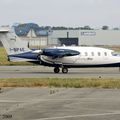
x=35, y=40
x=39, y=37
x=85, y=37
x=32, y=34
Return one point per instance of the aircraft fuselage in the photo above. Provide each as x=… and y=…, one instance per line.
x=88, y=57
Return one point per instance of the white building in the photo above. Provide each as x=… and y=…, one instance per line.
x=99, y=37
x=74, y=37
x=86, y=37
x=34, y=40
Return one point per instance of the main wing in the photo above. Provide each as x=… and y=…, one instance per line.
x=58, y=53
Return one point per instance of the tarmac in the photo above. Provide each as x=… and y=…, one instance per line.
x=59, y=104
x=47, y=72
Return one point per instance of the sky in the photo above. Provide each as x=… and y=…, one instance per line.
x=69, y=13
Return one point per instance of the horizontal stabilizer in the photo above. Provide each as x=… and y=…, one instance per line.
x=4, y=30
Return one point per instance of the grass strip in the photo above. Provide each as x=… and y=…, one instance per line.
x=4, y=59
x=61, y=82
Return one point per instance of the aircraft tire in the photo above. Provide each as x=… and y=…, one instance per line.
x=56, y=70
x=64, y=70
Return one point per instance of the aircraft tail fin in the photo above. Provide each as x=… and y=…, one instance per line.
x=12, y=43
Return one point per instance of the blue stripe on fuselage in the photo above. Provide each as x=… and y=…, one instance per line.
x=27, y=55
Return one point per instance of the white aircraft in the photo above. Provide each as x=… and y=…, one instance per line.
x=58, y=57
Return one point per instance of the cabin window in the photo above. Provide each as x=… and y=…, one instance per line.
x=105, y=53
x=99, y=54
x=86, y=54
x=92, y=53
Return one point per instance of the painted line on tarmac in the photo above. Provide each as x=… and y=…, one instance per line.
x=75, y=116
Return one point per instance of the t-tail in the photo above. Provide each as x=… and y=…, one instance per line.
x=16, y=49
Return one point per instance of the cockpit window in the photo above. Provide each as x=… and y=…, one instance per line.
x=115, y=54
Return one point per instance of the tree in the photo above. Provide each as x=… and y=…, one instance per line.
x=105, y=27
x=116, y=28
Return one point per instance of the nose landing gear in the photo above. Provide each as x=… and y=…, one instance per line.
x=64, y=70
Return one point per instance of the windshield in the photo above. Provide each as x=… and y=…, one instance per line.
x=115, y=54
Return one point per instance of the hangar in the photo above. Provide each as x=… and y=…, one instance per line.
x=86, y=37
x=38, y=37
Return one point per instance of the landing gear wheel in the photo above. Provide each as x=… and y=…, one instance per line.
x=56, y=70
x=64, y=70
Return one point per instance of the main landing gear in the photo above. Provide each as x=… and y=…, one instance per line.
x=56, y=70
x=64, y=70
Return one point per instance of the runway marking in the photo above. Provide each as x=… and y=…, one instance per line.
x=46, y=100
x=74, y=116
